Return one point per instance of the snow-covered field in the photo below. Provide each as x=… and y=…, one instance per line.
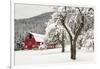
x=49, y=56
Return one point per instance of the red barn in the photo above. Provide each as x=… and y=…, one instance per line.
x=33, y=40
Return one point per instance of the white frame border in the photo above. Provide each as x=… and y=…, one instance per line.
x=38, y=2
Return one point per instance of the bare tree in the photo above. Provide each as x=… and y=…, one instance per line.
x=76, y=31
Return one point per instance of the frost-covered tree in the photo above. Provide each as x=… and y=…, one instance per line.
x=76, y=21
x=55, y=33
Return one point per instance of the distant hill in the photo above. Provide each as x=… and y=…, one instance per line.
x=35, y=24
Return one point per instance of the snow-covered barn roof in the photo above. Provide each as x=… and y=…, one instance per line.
x=38, y=37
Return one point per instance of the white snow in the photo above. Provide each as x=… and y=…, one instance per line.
x=38, y=37
x=49, y=56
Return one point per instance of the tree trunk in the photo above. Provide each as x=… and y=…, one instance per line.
x=63, y=48
x=73, y=46
x=63, y=43
x=73, y=50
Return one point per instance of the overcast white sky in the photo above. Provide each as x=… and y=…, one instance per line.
x=26, y=10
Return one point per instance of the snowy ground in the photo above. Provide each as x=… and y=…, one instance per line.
x=31, y=57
